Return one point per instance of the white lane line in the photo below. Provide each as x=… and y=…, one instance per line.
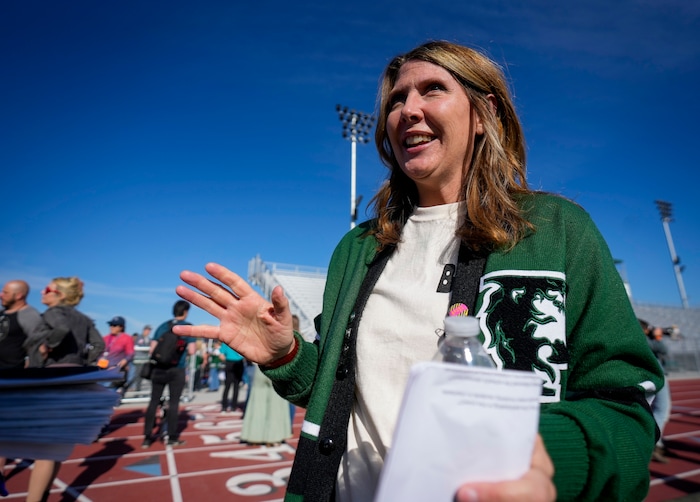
x=79, y=497
x=62, y=488
x=680, y=435
x=172, y=474
x=680, y=475
x=264, y=468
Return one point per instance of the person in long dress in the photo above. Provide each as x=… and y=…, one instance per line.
x=266, y=419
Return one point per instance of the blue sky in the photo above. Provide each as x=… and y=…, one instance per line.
x=140, y=138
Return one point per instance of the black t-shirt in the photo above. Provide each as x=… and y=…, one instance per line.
x=12, y=336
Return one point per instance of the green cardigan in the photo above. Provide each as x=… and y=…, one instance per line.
x=555, y=305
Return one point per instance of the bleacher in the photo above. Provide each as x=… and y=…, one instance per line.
x=684, y=345
x=303, y=286
x=687, y=320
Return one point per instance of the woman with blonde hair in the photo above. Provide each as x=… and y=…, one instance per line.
x=65, y=337
x=456, y=230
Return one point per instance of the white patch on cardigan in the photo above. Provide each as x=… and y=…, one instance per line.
x=310, y=428
x=523, y=319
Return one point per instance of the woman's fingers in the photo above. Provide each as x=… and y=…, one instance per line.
x=235, y=282
x=213, y=294
x=200, y=282
x=279, y=301
x=203, y=302
x=221, y=295
x=213, y=290
x=201, y=331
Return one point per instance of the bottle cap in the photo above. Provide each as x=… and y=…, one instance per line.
x=461, y=325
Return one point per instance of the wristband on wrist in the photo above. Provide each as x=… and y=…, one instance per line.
x=284, y=360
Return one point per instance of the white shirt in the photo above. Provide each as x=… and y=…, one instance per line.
x=399, y=327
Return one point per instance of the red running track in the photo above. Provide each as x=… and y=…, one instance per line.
x=680, y=477
x=214, y=465
x=211, y=465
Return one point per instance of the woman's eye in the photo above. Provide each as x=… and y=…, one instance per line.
x=396, y=100
x=436, y=87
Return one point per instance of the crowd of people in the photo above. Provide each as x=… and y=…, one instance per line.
x=61, y=335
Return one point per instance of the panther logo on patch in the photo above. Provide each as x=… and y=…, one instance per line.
x=522, y=317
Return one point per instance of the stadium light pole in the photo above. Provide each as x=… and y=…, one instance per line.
x=356, y=128
x=666, y=218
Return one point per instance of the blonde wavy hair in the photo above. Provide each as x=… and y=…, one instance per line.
x=496, y=175
x=71, y=288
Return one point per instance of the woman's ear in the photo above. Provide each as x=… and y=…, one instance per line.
x=493, y=103
x=478, y=122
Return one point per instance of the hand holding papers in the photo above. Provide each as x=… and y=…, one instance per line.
x=460, y=424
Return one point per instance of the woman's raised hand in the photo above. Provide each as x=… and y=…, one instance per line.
x=255, y=328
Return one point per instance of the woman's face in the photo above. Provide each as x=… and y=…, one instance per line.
x=431, y=128
x=51, y=296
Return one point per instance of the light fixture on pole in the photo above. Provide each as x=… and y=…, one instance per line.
x=356, y=128
x=666, y=218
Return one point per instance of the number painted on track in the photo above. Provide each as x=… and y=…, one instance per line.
x=262, y=454
x=258, y=483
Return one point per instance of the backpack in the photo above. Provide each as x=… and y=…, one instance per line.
x=169, y=349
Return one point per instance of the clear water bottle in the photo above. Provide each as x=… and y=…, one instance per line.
x=461, y=344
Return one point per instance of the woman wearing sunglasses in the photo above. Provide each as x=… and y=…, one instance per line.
x=66, y=336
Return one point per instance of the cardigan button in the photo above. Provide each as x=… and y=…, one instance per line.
x=348, y=334
x=341, y=373
x=326, y=446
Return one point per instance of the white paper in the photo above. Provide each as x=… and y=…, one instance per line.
x=460, y=424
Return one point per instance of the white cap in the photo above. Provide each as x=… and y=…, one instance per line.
x=461, y=325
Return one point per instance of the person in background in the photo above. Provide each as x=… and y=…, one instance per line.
x=201, y=361
x=174, y=378
x=547, y=296
x=64, y=337
x=266, y=415
x=661, y=405
x=143, y=341
x=215, y=366
x=144, y=338
x=119, y=350
x=234, y=364
x=17, y=320
x=249, y=371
